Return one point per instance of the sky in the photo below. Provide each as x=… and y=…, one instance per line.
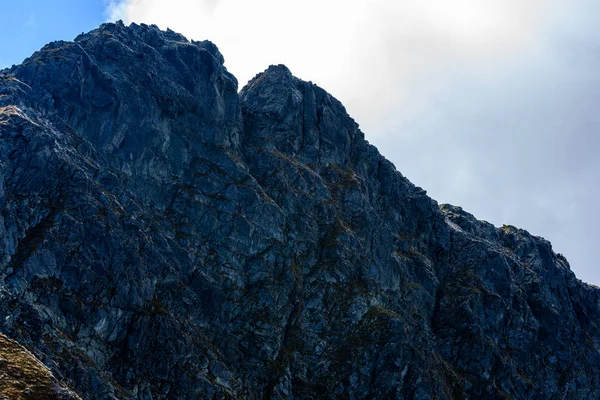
x=27, y=25
x=493, y=105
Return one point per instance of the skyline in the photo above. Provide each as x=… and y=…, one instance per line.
x=489, y=107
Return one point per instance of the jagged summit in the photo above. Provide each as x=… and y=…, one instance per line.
x=150, y=34
x=164, y=236
x=310, y=124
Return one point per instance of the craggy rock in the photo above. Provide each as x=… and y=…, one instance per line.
x=164, y=237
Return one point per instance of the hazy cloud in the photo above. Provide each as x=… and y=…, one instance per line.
x=375, y=49
x=31, y=22
x=488, y=104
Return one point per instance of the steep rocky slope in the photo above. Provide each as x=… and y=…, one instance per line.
x=164, y=237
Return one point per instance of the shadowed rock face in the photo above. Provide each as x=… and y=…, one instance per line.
x=162, y=236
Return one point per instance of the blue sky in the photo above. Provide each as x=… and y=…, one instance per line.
x=27, y=25
x=487, y=104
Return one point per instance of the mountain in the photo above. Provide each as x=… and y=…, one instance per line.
x=163, y=236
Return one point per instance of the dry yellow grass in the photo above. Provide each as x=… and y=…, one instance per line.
x=22, y=375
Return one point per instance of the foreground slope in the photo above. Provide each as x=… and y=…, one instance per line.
x=23, y=377
x=162, y=236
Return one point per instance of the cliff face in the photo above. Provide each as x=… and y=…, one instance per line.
x=162, y=236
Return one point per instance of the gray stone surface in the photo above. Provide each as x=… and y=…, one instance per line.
x=164, y=237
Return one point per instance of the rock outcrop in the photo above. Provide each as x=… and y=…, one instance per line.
x=164, y=237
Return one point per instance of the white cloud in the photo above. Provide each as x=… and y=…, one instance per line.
x=359, y=50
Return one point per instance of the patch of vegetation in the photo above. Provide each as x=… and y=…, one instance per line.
x=22, y=376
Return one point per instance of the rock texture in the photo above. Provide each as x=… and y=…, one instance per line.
x=164, y=237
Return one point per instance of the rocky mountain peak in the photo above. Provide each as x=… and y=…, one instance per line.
x=303, y=114
x=148, y=100
x=164, y=236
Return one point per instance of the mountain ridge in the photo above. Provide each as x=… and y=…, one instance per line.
x=164, y=236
